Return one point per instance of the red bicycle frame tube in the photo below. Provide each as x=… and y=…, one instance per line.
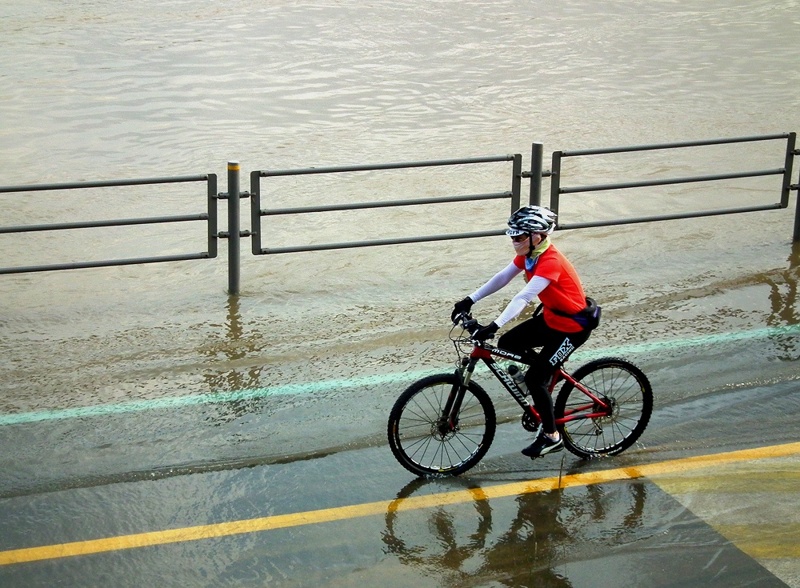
x=486, y=353
x=595, y=401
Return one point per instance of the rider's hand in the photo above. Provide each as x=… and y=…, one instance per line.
x=484, y=333
x=461, y=307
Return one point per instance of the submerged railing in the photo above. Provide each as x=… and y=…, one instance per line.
x=510, y=192
x=513, y=194
x=210, y=217
x=556, y=188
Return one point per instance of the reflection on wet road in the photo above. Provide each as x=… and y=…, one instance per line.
x=566, y=533
x=662, y=523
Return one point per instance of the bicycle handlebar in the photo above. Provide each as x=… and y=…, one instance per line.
x=466, y=322
x=469, y=324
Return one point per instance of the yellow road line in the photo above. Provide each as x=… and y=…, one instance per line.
x=773, y=541
x=168, y=536
x=749, y=503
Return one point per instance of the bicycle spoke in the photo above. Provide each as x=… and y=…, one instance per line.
x=426, y=440
x=625, y=399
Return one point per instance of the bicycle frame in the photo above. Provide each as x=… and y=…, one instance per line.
x=594, y=408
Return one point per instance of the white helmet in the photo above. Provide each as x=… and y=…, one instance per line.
x=531, y=219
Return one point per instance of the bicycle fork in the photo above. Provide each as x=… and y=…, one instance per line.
x=448, y=421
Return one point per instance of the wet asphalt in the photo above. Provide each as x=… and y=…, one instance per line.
x=354, y=517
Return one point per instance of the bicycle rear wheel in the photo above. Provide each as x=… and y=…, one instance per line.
x=425, y=442
x=620, y=384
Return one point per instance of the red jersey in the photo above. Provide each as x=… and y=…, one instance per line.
x=564, y=293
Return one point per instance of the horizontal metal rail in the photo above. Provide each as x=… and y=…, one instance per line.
x=378, y=242
x=103, y=184
x=392, y=203
x=678, y=145
x=669, y=181
x=383, y=166
x=663, y=217
x=257, y=212
x=104, y=223
x=210, y=217
x=105, y=263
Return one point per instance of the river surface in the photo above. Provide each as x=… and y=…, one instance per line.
x=108, y=90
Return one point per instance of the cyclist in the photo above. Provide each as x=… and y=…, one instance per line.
x=561, y=328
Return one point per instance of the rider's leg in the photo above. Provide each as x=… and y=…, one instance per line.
x=523, y=337
x=538, y=380
x=557, y=346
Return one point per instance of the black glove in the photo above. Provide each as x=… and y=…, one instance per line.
x=487, y=332
x=460, y=307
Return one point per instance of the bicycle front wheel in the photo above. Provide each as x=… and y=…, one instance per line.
x=426, y=442
x=588, y=429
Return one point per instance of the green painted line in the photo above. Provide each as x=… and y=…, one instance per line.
x=212, y=398
x=368, y=381
x=704, y=340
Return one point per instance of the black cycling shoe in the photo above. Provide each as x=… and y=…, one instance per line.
x=543, y=445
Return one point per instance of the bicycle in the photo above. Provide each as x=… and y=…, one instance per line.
x=445, y=423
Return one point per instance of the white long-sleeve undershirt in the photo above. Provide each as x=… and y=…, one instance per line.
x=517, y=304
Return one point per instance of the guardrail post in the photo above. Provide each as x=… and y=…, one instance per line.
x=516, y=182
x=213, y=234
x=234, y=239
x=787, y=170
x=791, y=152
x=796, y=236
x=555, y=181
x=255, y=212
x=537, y=153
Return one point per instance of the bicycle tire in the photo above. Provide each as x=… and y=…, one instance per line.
x=631, y=395
x=416, y=439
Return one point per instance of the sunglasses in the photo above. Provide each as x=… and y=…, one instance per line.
x=519, y=238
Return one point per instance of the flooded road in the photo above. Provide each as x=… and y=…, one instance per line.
x=294, y=484
x=143, y=399
x=249, y=396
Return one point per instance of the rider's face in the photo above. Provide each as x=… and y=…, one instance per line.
x=523, y=246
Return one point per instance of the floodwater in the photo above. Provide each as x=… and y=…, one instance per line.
x=109, y=90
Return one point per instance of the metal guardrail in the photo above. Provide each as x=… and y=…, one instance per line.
x=257, y=212
x=257, y=232
x=210, y=217
x=556, y=189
